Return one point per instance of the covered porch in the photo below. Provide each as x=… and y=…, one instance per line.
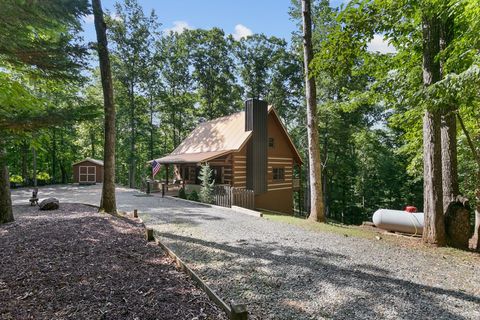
x=183, y=171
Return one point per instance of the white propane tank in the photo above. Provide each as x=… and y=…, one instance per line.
x=397, y=220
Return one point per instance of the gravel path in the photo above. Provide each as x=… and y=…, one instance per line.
x=286, y=272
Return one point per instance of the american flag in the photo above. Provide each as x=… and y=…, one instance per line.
x=155, y=168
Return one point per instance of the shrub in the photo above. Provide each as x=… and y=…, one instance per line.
x=43, y=178
x=206, y=190
x=182, y=194
x=16, y=179
x=193, y=196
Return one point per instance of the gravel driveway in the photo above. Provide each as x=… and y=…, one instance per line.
x=286, y=272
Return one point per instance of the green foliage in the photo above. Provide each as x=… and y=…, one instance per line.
x=43, y=176
x=214, y=72
x=16, y=179
x=182, y=193
x=207, y=183
x=40, y=36
x=193, y=196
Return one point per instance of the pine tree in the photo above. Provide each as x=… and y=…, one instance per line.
x=207, y=183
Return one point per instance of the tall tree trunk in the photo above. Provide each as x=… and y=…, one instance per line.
x=131, y=169
x=434, y=230
x=25, y=149
x=152, y=129
x=317, y=207
x=476, y=156
x=108, y=202
x=92, y=144
x=54, y=155
x=449, y=157
x=63, y=170
x=448, y=126
x=34, y=157
x=6, y=212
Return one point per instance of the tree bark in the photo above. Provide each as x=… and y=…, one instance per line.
x=448, y=127
x=449, y=157
x=133, y=138
x=434, y=230
x=108, y=202
x=317, y=207
x=25, y=150
x=54, y=155
x=6, y=212
x=476, y=155
x=34, y=156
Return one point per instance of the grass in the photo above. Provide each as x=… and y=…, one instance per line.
x=330, y=227
x=369, y=233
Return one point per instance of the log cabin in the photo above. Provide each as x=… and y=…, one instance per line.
x=250, y=149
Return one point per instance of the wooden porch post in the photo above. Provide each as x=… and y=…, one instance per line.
x=166, y=176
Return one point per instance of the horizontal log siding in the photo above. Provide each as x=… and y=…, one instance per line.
x=287, y=165
x=239, y=169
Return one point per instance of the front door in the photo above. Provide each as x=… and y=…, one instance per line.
x=87, y=174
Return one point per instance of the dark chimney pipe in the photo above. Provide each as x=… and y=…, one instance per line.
x=256, y=112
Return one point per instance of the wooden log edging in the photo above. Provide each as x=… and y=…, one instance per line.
x=233, y=310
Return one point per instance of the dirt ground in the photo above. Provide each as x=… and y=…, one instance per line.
x=74, y=263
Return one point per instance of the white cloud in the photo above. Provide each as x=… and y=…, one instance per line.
x=378, y=44
x=88, y=19
x=241, y=32
x=115, y=17
x=179, y=27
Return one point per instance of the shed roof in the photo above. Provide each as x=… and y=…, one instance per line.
x=95, y=161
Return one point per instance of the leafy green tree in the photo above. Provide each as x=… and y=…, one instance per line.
x=172, y=59
x=47, y=29
x=108, y=201
x=133, y=33
x=207, y=183
x=214, y=72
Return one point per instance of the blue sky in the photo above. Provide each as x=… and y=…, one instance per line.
x=239, y=18
x=235, y=17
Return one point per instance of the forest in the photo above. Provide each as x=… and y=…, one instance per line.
x=370, y=105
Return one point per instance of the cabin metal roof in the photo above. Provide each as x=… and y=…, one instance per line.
x=95, y=161
x=216, y=137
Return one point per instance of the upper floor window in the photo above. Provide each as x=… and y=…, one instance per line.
x=271, y=142
x=278, y=174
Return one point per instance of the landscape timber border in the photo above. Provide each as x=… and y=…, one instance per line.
x=235, y=311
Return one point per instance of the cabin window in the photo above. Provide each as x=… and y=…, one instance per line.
x=186, y=173
x=278, y=174
x=271, y=142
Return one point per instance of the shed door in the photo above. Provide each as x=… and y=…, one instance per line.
x=87, y=174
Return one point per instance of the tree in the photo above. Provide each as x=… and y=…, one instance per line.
x=213, y=71
x=46, y=29
x=434, y=230
x=172, y=59
x=133, y=34
x=207, y=183
x=108, y=201
x=317, y=209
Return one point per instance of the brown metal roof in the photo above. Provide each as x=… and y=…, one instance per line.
x=214, y=138
x=221, y=134
x=95, y=161
x=191, y=157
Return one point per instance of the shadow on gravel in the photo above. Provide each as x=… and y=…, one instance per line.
x=298, y=282
x=187, y=216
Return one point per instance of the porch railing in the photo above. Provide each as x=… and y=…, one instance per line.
x=222, y=196
x=227, y=196
x=243, y=198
